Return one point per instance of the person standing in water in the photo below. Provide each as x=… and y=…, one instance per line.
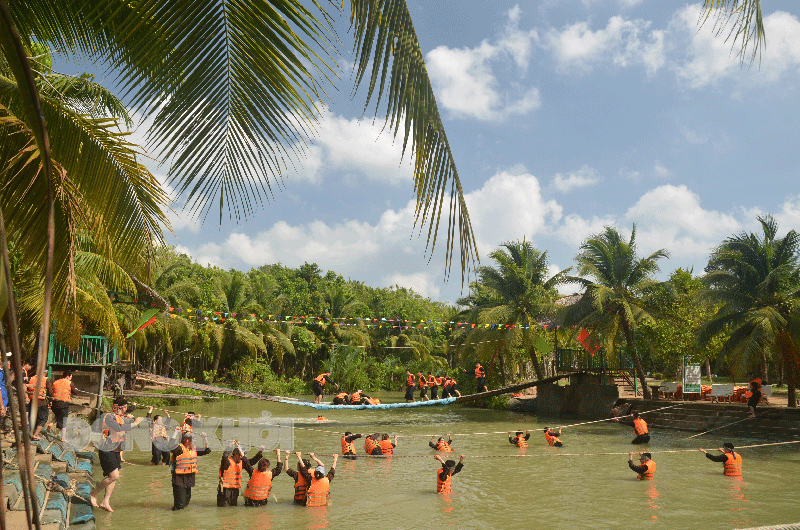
x=184, y=469
x=518, y=439
x=731, y=461
x=640, y=430
x=552, y=437
x=446, y=472
x=646, y=469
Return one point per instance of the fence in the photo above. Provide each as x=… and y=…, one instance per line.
x=92, y=351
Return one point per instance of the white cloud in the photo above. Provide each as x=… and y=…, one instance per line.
x=574, y=229
x=627, y=4
x=420, y=282
x=508, y=207
x=625, y=42
x=465, y=81
x=710, y=57
x=585, y=176
x=788, y=217
x=671, y=217
x=661, y=170
x=694, y=137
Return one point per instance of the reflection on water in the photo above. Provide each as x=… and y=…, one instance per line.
x=577, y=486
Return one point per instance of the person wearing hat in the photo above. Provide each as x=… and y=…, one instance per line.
x=640, y=430
x=445, y=473
x=110, y=447
x=234, y=460
x=731, y=462
x=184, y=469
x=302, y=478
x=646, y=469
x=319, y=491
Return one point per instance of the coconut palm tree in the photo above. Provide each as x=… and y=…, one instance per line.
x=743, y=21
x=616, y=282
x=234, y=88
x=756, y=281
x=513, y=295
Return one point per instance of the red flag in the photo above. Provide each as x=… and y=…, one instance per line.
x=583, y=338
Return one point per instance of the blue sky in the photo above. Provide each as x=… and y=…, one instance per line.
x=564, y=117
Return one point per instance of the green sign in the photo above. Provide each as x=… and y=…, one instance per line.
x=692, y=383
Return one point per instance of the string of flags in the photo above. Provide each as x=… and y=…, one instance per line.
x=362, y=322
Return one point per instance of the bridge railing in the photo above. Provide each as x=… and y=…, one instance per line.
x=579, y=360
x=92, y=351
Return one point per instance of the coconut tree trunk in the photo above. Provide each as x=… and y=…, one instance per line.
x=790, y=355
x=637, y=363
x=764, y=369
x=537, y=367
x=708, y=368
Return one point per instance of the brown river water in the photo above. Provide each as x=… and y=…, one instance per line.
x=570, y=487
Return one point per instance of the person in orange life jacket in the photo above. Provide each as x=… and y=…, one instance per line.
x=552, y=437
x=732, y=462
x=441, y=445
x=191, y=422
x=372, y=444
x=159, y=438
x=62, y=397
x=423, y=386
x=448, y=469
x=480, y=378
x=320, y=488
x=230, y=474
x=319, y=383
x=754, y=396
x=42, y=410
x=410, y=386
x=348, y=448
x=433, y=383
x=646, y=469
x=342, y=398
x=518, y=439
x=640, y=430
x=258, y=487
x=450, y=387
x=110, y=447
x=184, y=469
x=302, y=477
x=386, y=445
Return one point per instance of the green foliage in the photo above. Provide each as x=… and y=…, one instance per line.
x=254, y=376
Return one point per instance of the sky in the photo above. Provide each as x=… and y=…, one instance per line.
x=564, y=116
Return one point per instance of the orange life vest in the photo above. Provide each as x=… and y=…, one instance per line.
x=422, y=382
x=444, y=447
x=432, y=381
x=733, y=465
x=369, y=445
x=187, y=461
x=479, y=372
x=300, y=489
x=62, y=389
x=321, y=378
x=386, y=447
x=651, y=470
x=443, y=486
x=639, y=426
x=551, y=439
x=186, y=426
x=355, y=399
x=410, y=380
x=319, y=492
x=520, y=441
x=232, y=477
x=348, y=448
x=342, y=395
x=259, y=485
x=117, y=435
x=42, y=391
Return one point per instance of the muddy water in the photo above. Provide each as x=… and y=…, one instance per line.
x=570, y=487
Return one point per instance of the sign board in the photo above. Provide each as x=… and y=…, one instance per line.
x=691, y=379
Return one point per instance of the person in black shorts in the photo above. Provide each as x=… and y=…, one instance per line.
x=318, y=385
x=755, y=397
x=110, y=447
